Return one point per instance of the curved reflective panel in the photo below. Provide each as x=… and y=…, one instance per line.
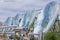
x=10, y=30
x=16, y=20
x=53, y=13
x=48, y=12
x=8, y=21
x=24, y=20
x=45, y=16
x=38, y=22
x=27, y=19
x=47, y=19
x=2, y=31
x=33, y=17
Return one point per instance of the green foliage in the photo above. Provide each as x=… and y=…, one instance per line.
x=52, y=36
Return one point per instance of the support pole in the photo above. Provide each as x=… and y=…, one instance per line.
x=41, y=34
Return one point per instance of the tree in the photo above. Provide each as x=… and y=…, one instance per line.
x=52, y=36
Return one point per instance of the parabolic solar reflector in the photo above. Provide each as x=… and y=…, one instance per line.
x=8, y=21
x=50, y=13
x=33, y=17
x=27, y=18
x=16, y=20
x=24, y=20
x=53, y=11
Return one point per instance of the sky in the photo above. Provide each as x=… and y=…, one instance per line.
x=12, y=7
